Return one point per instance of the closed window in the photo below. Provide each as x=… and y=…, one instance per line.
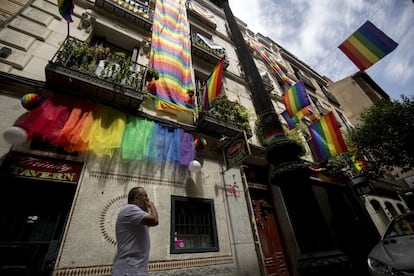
x=193, y=225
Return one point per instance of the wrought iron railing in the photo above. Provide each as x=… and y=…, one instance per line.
x=100, y=66
x=207, y=45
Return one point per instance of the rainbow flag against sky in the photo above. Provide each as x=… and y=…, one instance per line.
x=367, y=45
x=66, y=9
x=171, y=56
x=295, y=98
x=326, y=138
x=213, y=85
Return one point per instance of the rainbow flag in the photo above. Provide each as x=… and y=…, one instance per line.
x=171, y=56
x=295, y=98
x=291, y=122
x=367, y=45
x=274, y=61
x=213, y=85
x=326, y=138
x=66, y=9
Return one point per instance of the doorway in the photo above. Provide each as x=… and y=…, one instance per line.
x=271, y=248
x=33, y=214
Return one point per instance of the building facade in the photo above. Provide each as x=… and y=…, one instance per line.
x=220, y=215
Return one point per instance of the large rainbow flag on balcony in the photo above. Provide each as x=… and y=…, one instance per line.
x=326, y=138
x=367, y=45
x=171, y=56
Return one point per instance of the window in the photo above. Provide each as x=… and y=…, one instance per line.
x=193, y=225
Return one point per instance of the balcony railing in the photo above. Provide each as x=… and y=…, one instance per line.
x=206, y=49
x=97, y=73
x=134, y=11
x=224, y=118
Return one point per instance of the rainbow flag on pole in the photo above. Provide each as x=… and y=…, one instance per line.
x=66, y=9
x=367, y=45
x=213, y=85
x=326, y=138
x=295, y=98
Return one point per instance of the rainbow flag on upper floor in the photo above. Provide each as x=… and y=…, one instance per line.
x=367, y=45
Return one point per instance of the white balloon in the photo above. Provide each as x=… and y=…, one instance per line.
x=194, y=166
x=14, y=135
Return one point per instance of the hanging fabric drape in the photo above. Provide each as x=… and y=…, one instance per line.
x=83, y=126
x=171, y=56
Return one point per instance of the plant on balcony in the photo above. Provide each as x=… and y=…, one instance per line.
x=152, y=73
x=221, y=108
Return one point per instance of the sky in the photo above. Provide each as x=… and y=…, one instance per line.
x=313, y=30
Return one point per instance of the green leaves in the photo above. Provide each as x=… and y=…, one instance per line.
x=386, y=135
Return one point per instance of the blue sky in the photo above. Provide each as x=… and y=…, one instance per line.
x=313, y=30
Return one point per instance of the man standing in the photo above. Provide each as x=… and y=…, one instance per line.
x=133, y=242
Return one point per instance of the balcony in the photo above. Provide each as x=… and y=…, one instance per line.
x=224, y=118
x=133, y=11
x=199, y=13
x=206, y=49
x=98, y=74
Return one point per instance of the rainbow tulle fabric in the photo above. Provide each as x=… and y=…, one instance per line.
x=82, y=126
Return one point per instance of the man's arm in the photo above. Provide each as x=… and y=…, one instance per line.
x=152, y=218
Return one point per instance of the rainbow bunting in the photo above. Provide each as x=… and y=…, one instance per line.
x=367, y=45
x=213, y=85
x=276, y=63
x=326, y=138
x=66, y=9
x=295, y=98
x=170, y=55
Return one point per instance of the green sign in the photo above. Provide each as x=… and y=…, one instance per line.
x=236, y=151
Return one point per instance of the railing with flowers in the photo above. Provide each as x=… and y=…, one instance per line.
x=225, y=117
x=98, y=65
x=208, y=45
x=137, y=11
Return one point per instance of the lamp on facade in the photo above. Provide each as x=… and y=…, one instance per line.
x=194, y=166
x=15, y=135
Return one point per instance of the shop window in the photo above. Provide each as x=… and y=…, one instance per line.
x=193, y=225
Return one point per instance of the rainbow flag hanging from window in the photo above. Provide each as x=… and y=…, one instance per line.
x=66, y=9
x=212, y=89
x=367, y=45
x=171, y=56
x=295, y=98
x=326, y=138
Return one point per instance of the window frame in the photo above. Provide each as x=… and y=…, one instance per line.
x=193, y=200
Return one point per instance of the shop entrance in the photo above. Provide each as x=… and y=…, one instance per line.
x=33, y=214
